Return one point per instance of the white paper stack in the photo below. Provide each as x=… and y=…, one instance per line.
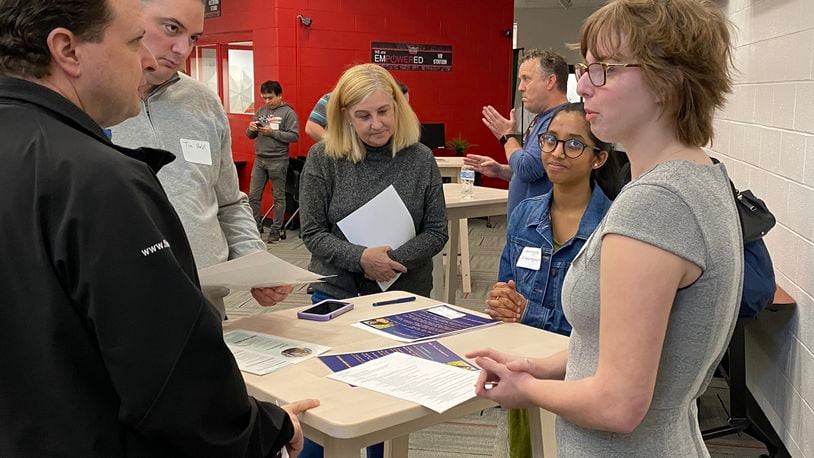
x=383, y=221
x=434, y=385
x=257, y=270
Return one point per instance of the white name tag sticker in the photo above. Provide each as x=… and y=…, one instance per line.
x=196, y=151
x=530, y=258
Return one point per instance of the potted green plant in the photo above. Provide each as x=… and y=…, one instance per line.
x=460, y=145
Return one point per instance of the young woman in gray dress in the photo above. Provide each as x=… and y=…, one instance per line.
x=653, y=296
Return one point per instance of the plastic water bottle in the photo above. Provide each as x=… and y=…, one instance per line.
x=467, y=181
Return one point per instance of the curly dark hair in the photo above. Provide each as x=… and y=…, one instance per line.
x=25, y=25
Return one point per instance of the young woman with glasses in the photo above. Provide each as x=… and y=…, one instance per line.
x=653, y=295
x=545, y=233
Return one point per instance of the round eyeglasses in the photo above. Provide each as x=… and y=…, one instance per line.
x=598, y=71
x=572, y=147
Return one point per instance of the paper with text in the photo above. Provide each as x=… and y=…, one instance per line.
x=530, y=258
x=261, y=354
x=196, y=151
x=256, y=270
x=434, y=385
x=432, y=350
x=427, y=323
x=383, y=221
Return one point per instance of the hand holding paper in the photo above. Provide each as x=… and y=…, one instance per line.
x=270, y=296
x=378, y=266
x=394, y=226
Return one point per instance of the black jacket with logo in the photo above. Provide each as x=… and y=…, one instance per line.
x=107, y=348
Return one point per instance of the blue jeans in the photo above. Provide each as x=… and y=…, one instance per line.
x=313, y=450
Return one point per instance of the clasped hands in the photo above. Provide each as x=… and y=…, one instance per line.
x=504, y=303
x=377, y=265
x=507, y=375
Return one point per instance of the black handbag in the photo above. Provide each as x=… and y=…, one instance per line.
x=756, y=219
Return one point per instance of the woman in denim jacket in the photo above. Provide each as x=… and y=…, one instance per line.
x=544, y=235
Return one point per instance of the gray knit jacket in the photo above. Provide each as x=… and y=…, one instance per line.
x=331, y=189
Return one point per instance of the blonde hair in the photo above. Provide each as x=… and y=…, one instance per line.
x=356, y=84
x=684, y=49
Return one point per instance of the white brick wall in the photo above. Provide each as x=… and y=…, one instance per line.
x=765, y=136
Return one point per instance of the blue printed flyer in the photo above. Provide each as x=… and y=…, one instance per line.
x=429, y=323
x=433, y=351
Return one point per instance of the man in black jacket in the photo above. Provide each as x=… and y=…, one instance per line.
x=108, y=347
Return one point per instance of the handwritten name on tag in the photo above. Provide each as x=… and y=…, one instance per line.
x=196, y=151
x=530, y=258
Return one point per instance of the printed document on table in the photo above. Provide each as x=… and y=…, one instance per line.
x=428, y=323
x=257, y=270
x=383, y=221
x=432, y=350
x=261, y=354
x=434, y=385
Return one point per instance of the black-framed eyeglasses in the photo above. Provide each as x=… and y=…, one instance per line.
x=598, y=71
x=572, y=147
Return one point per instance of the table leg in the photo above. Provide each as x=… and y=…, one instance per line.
x=438, y=274
x=397, y=448
x=338, y=448
x=465, y=271
x=542, y=425
x=450, y=285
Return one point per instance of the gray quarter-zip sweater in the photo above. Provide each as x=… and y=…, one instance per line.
x=215, y=214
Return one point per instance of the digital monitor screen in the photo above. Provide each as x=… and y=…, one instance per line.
x=432, y=135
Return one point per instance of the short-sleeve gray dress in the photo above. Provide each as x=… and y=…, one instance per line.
x=687, y=209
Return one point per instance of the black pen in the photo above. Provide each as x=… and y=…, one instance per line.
x=395, y=301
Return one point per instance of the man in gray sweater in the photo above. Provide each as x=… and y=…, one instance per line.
x=182, y=116
x=274, y=126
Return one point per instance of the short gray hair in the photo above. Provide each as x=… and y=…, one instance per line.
x=551, y=63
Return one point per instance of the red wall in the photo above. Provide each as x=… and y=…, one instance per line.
x=308, y=61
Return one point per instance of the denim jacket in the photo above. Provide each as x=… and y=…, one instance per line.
x=530, y=226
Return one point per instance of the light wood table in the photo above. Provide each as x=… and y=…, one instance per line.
x=484, y=202
x=350, y=418
x=450, y=167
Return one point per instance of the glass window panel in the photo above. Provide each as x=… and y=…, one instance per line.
x=204, y=68
x=241, y=81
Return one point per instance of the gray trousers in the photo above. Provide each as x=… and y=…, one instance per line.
x=264, y=170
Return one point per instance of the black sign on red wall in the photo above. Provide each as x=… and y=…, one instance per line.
x=405, y=56
x=212, y=8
